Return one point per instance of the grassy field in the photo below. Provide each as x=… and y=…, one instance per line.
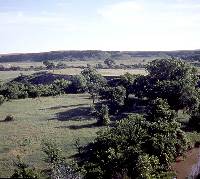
x=63, y=118
x=104, y=72
x=9, y=75
x=75, y=63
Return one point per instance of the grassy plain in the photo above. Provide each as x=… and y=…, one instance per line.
x=63, y=118
x=9, y=75
x=77, y=63
x=104, y=72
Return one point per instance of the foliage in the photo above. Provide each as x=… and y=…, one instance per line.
x=169, y=79
x=117, y=150
x=60, y=86
x=109, y=62
x=136, y=147
x=13, y=90
x=59, y=168
x=95, y=82
x=17, y=90
x=127, y=81
x=78, y=84
x=49, y=65
x=194, y=120
x=53, y=153
x=159, y=110
x=167, y=140
x=114, y=96
x=23, y=170
x=103, y=115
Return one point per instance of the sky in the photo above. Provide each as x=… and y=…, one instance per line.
x=48, y=25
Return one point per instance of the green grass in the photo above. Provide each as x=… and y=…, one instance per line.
x=63, y=118
x=9, y=75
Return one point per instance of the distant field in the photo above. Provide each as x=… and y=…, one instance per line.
x=104, y=72
x=21, y=64
x=76, y=63
x=8, y=75
x=63, y=118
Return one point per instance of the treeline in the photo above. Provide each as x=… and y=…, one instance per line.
x=50, y=65
x=74, y=55
x=95, y=55
x=21, y=90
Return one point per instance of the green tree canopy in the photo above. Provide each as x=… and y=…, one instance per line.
x=170, y=79
x=136, y=147
x=95, y=81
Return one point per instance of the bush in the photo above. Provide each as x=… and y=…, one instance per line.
x=194, y=120
x=53, y=153
x=103, y=115
x=138, y=146
x=9, y=118
x=23, y=170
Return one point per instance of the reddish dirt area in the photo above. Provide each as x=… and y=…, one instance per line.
x=183, y=166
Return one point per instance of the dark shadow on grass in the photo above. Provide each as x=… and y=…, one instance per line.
x=77, y=127
x=76, y=114
x=60, y=106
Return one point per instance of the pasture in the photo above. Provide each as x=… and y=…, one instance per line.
x=9, y=75
x=62, y=118
x=103, y=72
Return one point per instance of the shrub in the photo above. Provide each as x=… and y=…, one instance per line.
x=136, y=147
x=103, y=115
x=53, y=153
x=9, y=118
x=23, y=170
x=194, y=120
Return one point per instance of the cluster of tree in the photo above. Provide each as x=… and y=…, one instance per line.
x=110, y=64
x=137, y=147
x=143, y=146
x=16, y=90
x=23, y=88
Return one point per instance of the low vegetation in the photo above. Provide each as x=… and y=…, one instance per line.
x=139, y=133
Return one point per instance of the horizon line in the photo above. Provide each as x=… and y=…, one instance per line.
x=21, y=53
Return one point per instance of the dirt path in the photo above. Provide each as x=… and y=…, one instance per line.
x=183, y=167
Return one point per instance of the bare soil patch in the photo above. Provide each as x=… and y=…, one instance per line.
x=183, y=166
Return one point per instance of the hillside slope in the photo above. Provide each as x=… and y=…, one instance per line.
x=96, y=55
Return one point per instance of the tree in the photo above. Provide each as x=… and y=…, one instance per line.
x=167, y=140
x=60, y=86
x=137, y=147
x=49, y=65
x=95, y=82
x=114, y=96
x=127, y=81
x=78, y=84
x=61, y=65
x=23, y=170
x=170, y=79
x=103, y=115
x=58, y=166
x=109, y=62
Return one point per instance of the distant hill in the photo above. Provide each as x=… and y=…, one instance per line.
x=98, y=55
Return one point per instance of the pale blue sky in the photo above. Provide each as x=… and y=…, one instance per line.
x=45, y=25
